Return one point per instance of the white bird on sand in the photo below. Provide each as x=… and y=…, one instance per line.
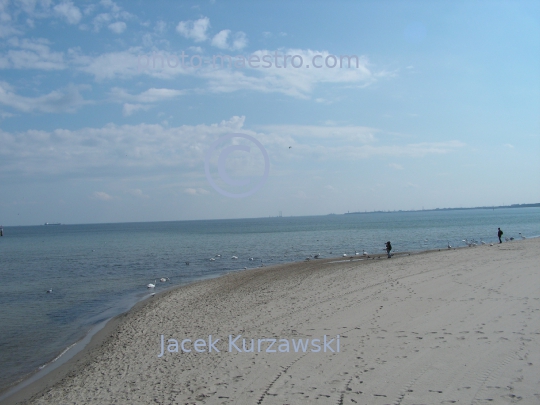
x=234, y=257
x=364, y=253
x=344, y=254
x=151, y=285
x=449, y=246
x=522, y=237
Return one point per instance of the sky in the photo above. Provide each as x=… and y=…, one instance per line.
x=128, y=111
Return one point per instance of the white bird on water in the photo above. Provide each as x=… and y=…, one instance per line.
x=234, y=257
x=151, y=285
x=449, y=246
x=522, y=237
x=163, y=279
x=212, y=259
x=49, y=291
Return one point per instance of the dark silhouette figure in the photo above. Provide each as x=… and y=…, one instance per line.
x=388, y=249
x=499, y=234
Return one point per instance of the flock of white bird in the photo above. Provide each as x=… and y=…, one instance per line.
x=469, y=243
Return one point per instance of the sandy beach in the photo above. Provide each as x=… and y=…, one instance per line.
x=452, y=326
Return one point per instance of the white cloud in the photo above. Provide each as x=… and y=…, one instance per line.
x=4, y=114
x=507, y=145
x=6, y=27
x=101, y=195
x=352, y=134
x=113, y=65
x=37, y=8
x=235, y=74
x=100, y=20
x=195, y=191
x=149, y=96
x=110, y=150
x=31, y=54
x=136, y=192
x=113, y=17
x=130, y=150
x=239, y=41
x=66, y=100
x=110, y=4
x=195, y=30
x=161, y=27
x=297, y=81
x=118, y=27
x=69, y=11
x=395, y=166
x=221, y=40
x=129, y=109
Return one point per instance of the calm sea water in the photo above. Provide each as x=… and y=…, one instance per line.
x=98, y=271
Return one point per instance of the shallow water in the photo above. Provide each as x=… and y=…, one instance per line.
x=98, y=271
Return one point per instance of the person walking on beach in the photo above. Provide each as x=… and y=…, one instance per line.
x=499, y=234
x=388, y=249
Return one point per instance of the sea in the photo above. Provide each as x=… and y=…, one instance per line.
x=98, y=271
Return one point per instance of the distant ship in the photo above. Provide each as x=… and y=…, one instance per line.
x=47, y=223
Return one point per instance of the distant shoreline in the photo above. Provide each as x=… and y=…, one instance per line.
x=535, y=205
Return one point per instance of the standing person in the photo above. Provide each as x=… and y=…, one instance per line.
x=388, y=249
x=499, y=234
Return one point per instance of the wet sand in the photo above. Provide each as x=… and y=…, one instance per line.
x=455, y=326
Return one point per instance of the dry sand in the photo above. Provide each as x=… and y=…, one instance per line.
x=455, y=326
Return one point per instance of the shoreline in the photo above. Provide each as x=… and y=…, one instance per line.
x=108, y=334
x=30, y=385
x=65, y=356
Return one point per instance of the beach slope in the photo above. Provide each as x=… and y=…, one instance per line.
x=455, y=326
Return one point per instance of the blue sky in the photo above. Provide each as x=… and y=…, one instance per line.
x=440, y=108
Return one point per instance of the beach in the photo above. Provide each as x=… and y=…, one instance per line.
x=449, y=326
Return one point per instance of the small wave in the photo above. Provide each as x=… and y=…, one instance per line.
x=57, y=357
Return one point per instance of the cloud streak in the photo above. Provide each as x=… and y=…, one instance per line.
x=126, y=150
x=58, y=101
